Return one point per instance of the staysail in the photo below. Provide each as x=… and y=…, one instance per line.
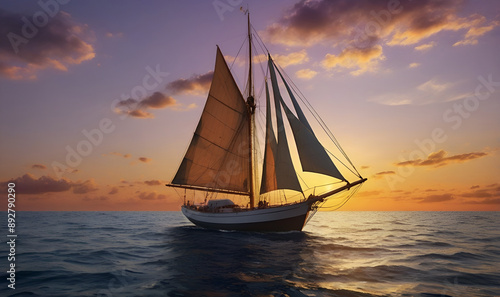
x=217, y=157
x=284, y=172
x=269, y=182
x=313, y=157
x=312, y=154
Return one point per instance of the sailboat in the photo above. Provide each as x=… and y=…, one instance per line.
x=221, y=158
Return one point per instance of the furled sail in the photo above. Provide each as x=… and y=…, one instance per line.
x=218, y=156
x=312, y=154
x=285, y=175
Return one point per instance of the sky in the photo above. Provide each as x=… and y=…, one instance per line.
x=100, y=99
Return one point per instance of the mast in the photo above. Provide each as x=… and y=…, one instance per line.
x=251, y=111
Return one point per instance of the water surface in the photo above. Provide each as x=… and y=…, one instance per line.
x=337, y=254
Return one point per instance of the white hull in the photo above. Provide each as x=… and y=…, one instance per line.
x=273, y=219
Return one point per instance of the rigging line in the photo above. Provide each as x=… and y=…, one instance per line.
x=324, y=127
x=303, y=182
x=275, y=65
x=260, y=61
x=329, y=184
x=238, y=53
x=319, y=119
x=347, y=167
x=261, y=43
x=354, y=191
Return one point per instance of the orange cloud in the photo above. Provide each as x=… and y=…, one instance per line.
x=435, y=198
x=306, y=73
x=291, y=59
x=57, y=45
x=383, y=173
x=440, y=158
x=85, y=187
x=425, y=47
x=360, y=59
x=489, y=194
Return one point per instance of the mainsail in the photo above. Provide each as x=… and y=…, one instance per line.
x=218, y=156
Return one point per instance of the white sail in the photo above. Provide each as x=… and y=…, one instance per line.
x=312, y=154
x=286, y=177
x=218, y=155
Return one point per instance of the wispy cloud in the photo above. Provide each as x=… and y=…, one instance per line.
x=197, y=84
x=435, y=198
x=145, y=160
x=114, y=35
x=153, y=182
x=368, y=193
x=425, y=46
x=38, y=166
x=126, y=156
x=433, y=86
x=489, y=194
x=383, y=173
x=85, y=187
x=477, y=28
x=440, y=158
x=151, y=196
x=428, y=92
x=139, y=108
x=57, y=45
x=306, y=73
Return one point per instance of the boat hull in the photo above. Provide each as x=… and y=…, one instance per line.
x=274, y=219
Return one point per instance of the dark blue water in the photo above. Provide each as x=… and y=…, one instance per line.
x=338, y=254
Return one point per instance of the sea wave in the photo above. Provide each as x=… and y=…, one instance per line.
x=338, y=254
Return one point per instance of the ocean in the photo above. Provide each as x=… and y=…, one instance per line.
x=338, y=254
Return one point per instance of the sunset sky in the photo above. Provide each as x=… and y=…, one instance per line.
x=100, y=99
